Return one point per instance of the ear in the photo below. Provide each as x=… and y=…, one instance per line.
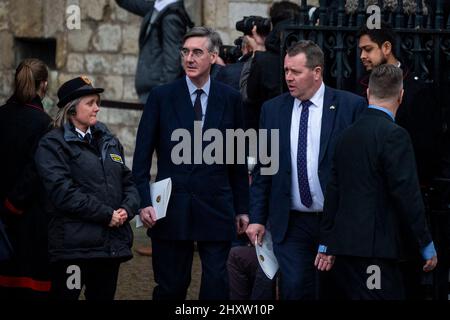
x=401, y=97
x=213, y=56
x=368, y=94
x=317, y=73
x=386, y=47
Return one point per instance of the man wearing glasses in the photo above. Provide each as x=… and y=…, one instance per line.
x=207, y=199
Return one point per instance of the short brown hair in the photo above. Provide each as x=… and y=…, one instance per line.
x=386, y=81
x=313, y=53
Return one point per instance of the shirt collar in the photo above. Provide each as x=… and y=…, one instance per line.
x=192, y=87
x=81, y=133
x=317, y=98
x=388, y=112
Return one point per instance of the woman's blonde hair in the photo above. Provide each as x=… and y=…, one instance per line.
x=64, y=113
x=29, y=75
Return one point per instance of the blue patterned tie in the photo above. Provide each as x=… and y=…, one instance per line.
x=302, y=169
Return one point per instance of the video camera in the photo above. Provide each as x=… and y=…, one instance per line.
x=231, y=54
x=246, y=25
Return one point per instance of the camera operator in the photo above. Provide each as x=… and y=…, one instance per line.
x=231, y=73
x=261, y=75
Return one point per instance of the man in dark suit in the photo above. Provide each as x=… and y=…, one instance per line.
x=206, y=199
x=308, y=118
x=419, y=114
x=372, y=192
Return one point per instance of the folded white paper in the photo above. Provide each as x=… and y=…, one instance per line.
x=266, y=257
x=160, y=194
x=251, y=163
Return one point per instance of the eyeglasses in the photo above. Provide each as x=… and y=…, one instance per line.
x=197, y=53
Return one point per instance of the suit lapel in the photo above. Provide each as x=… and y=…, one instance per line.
x=285, y=125
x=183, y=106
x=214, y=109
x=328, y=117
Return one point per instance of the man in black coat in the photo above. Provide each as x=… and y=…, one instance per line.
x=419, y=115
x=373, y=191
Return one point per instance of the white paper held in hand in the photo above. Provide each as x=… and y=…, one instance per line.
x=266, y=257
x=160, y=194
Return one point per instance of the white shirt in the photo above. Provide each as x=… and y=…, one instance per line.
x=81, y=133
x=203, y=98
x=312, y=152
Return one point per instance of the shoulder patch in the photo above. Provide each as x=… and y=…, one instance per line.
x=116, y=158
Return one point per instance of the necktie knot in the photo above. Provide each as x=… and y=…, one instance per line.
x=306, y=104
x=87, y=138
x=199, y=92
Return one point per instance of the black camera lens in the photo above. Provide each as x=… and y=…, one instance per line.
x=247, y=23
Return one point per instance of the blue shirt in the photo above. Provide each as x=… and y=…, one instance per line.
x=427, y=253
x=388, y=112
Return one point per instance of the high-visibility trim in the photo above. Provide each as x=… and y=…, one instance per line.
x=25, y=282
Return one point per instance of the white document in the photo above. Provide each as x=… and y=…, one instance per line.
x=266, y=257
x=251, y=163
x=160, y=194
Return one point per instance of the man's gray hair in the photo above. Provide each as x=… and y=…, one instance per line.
x=214, y=40
x=386, y=81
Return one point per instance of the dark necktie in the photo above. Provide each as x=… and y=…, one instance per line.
x=302, y=169
x=198, y=105
x=87, y=138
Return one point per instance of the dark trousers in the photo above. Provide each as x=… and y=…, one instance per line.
x=412, y=274
x=356, y=280
x=99, y=276
x=172, y=266
x=247, y=280
x=296, y=255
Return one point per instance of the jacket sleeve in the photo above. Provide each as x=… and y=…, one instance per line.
x=64, y=193
x=254, y=85
x=130, y=198
x=139, y=7
x=24, y=189
x=260, y=188
x=238, y=172
x=243, y=81
x=173, y=29
x=401, y=174
x=331, y=204
x=147, y=135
